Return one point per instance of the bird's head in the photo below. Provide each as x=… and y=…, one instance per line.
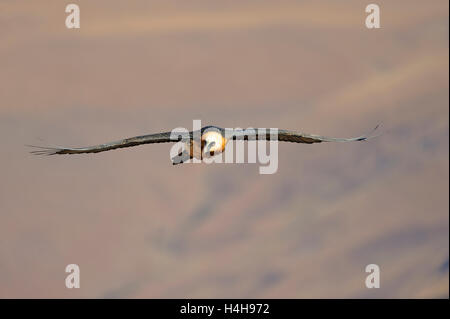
x=212, y=143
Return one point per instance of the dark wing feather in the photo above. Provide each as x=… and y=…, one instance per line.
x=128, y=142
x=297, y=137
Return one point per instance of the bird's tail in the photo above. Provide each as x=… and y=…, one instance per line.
x=181, y=158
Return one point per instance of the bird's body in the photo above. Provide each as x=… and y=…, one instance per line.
x=211, y=142
x=207, y=142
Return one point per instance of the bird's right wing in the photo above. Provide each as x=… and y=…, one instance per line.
x=128, y=142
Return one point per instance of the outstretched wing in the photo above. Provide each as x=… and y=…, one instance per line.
x=128, y=142
x=297, y=137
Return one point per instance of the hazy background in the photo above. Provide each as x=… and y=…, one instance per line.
x=139, y=227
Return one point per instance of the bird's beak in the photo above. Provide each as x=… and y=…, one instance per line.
x=208, y=147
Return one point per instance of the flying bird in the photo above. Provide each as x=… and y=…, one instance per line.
x=206, y=142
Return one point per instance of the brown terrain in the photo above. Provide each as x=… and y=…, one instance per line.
x=139, y=227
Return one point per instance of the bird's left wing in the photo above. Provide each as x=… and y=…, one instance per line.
x=128, y=142
x=297, y=137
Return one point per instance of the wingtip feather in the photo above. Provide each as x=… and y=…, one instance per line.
x=371, y=135
x=43, y=150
